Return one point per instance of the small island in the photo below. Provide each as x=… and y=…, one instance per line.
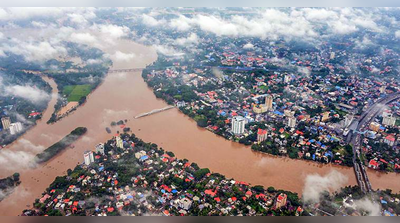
x=8, y=184
x=60, y=145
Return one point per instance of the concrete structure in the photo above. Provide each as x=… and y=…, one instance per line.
x=325, y=116
x=6, y=122
x=88, y=157
x=15, y=128
x=261, y=135
x=119, y=142
x=281, y=201
x=332, y=56
x=258, y=109
x=238, y=124
x=382, y=89
x=268, y=102
x=389, y=120
x=348, y=120
x=100, y=148
x=390, y=140
x=374, y=126
x=292, y=121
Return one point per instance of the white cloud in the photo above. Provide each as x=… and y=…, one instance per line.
x=397, y=34
x=248, y=46
x=151, y=21
x=191, y=39
x=114, y=31
x=366, y=204
x=182, y=23
x=32, y=94
x=168, y=51
x=39, y=24
x=120, y=56
x=35, y=51
x=342, y=26
x=15, y=160
x=316, y=184
x=319, y=15
x=84, y=38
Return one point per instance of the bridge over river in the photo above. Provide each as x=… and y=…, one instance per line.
x=154, y=111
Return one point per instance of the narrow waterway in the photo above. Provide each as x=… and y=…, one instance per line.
x=124, y=95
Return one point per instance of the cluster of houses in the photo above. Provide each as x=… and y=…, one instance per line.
x=157, y=183
x=311, y=108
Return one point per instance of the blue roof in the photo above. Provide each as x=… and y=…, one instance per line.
x=174, y=191
x=101, y=168
x=278, y=113
x=145, y=157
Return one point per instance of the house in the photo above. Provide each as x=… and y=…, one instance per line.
x=373, y=164
x=390, y=140
x=281, y=201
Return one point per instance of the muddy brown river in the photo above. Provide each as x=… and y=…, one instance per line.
x=125, y=95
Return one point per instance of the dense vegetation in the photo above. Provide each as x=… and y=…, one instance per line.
x=8, y=184
x=61, y=145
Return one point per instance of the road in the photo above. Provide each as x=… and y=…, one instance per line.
x=354, y=138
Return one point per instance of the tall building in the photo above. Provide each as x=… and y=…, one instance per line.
x=292, y=122
x=389, y=120
x=268, y=102
x=119, y=142
x=100, y=148
x=15, y=128
x=6, y=122
x=281, y=201
x=287, y=78
x=261, y=135
x=88, y=157
x=332, y=56
x=238, y=123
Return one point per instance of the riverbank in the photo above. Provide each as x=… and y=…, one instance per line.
x=125, y=95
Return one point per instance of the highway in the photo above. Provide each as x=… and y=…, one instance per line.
x=354, y=138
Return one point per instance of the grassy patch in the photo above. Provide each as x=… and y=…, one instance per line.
x=76, y=92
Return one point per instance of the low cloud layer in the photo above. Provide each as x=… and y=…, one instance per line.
x=30, y=93
x=316, y=184
x=16, y=160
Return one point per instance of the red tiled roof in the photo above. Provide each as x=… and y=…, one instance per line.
x=390, y=138
x=373, y=163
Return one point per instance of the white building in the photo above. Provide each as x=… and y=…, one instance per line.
x=5, y=122
x=348, y=119
x=100, y=148
x=15, y=128
x=292, y=122
x=389, y=120
x=238, y=124
x=88, y=157
x=119, y=142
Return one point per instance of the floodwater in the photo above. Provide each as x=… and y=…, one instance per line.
x=124, y=95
